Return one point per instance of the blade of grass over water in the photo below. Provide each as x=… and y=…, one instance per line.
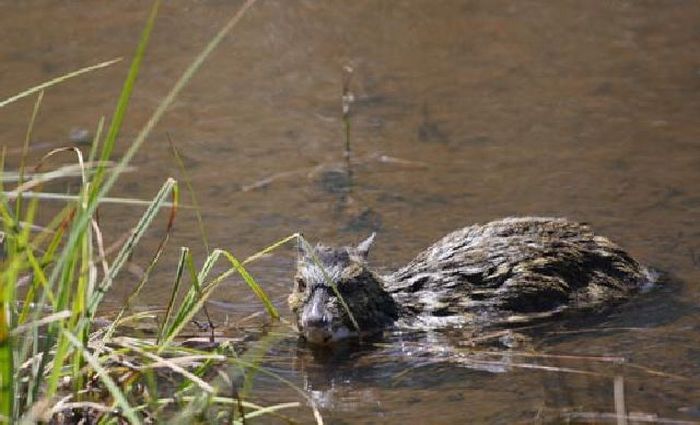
x=25, y=149
x=211, y=260
x=70, y=170
x=179, y=272
x=63, y=198
x=166, y=102
x=61, y=315
x=271, y=310
x=170, y=186
x=176, y=368
x=193, y=196
x=125, y=95
x=196, y=285
x=96, y=140
x=147, y=273
x=30, y=91
x=197, y=295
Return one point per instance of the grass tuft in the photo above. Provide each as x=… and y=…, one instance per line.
x=55, y=364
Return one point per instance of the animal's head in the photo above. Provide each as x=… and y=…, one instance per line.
x=334, y=285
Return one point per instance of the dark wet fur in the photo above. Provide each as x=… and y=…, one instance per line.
x=511, y=270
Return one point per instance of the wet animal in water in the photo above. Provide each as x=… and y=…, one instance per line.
x=505, y=271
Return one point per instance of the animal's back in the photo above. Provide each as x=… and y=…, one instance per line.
x=515, y=267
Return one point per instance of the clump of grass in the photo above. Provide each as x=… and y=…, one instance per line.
x=54, y=366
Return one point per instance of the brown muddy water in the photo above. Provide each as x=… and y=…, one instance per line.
x=464, y=111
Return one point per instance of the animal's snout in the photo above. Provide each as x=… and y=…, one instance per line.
x=317, y=321
x=316, y=314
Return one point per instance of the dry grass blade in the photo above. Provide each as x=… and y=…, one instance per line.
x=119, y=397
x=64, y=171
x=61, y=315
x=172, y=365
x=81, y=406
x=70, y=198
x=187, y=360
x=56, y=80
x=596, y=417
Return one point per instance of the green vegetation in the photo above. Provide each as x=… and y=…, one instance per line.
x=54, y=365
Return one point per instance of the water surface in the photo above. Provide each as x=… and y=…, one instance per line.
x=465, y=111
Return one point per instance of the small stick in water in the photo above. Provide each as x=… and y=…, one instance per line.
x=347, y=99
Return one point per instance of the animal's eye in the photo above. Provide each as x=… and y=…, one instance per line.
x=301, y=284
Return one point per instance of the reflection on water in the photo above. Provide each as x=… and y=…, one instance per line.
x=464, y=111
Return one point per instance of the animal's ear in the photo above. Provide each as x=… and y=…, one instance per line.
x=364, y=246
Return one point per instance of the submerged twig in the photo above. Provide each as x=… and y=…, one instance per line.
x=619, y=397
x=633, y=417
x=347, y=99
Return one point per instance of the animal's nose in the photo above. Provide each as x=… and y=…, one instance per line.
x=315, y=314
x=317, y=321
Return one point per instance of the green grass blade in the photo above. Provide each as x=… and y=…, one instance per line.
x=25, y=149
x=7, y=393
x=68, y=276
x=94, y=146
x=194, y=299
x=270, y=248
x=189, y=305
x=165, y=330
x=211, y=260
x=209, y=264
x=125, y=95
x=193, y=196
x=135, y=293
x=271, y=310
x=196, y=285
x=129, y=245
